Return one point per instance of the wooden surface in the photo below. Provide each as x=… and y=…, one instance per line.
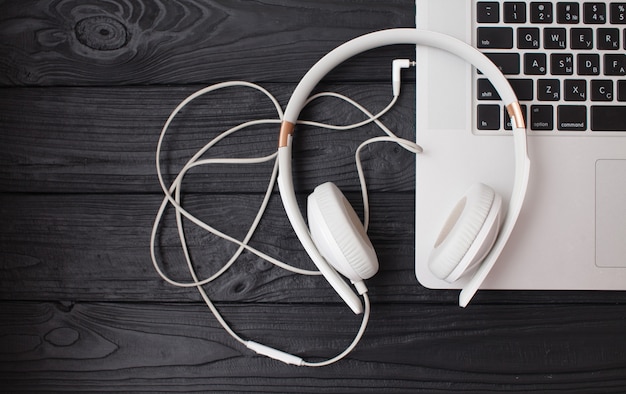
x=85, y=87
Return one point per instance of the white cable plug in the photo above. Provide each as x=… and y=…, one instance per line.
x=396, y=67
x=276, y=354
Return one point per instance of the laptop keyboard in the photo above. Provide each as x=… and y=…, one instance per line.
x=566, y=61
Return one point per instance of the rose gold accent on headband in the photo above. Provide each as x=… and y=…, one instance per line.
x=286, y=129
x=515, y=112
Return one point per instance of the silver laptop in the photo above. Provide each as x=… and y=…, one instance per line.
x=567, y=62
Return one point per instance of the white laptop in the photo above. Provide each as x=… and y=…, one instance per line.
x=567, y=60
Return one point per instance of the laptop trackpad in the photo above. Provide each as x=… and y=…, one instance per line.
x=611, y=213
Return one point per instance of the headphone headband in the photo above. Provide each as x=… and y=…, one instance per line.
x=375, y=40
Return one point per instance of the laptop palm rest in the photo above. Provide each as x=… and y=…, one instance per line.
x=610, y=213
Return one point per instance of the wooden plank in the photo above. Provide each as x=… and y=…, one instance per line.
x=86, y=140
x=148, y=43
x=407, y=348
x=96, y=247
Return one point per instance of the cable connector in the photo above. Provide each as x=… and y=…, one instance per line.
x=360, y=287
x=274, y=353
x=396, y=66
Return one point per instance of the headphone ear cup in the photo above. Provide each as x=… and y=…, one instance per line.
x=468, y=234
x=339, y=234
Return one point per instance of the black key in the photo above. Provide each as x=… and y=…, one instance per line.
x=528, y=38
x=601, y=90
x=535, y=64
x=608, y=38
x=581, y=38
x=594, y=13
x=523, y=88
x=608, y=118
x=554, y=38
x=514, y=12
x=495, y=37
x=507, y=118
x=548, y=89
x=618, y=13
x=588, y=64
x=575, y=90
x=571, y=118
x=541, y=12
x=615, y=64
x=567, y=12
x=562, y=64
x=486, y=91
x=621, y=90
x=508, y=63
x=488, y=117
x=541, y=117
x=488, y=12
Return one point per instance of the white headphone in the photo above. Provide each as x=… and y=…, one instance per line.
x=336, y=240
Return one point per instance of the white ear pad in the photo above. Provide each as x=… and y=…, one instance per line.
x=339, y=235
x=468, y=234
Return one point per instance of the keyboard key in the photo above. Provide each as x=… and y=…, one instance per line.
x=541, y=117
x=523, y=88
x=588, y=64
x=608, y=118
x=488, y=12
x=594, y=13
x=562, y=64
x=572, y=118
x=486, y=91
x=621, y=90
x=535, y=64
x=618, y=13
x=541, y=12
x=528, y=38
x=601, y=90
x=575, y=90
x=554, y=38
x=514, y=12
x=567, y=12
x=608, y=38
x=548, y=89
x=507, y=118
x=615, y=64
x=488, y=117
x=578, y=83
x=495, y=37
x=581, y=38
x=508, y=63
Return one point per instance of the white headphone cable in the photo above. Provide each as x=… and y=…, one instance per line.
x=175, y=201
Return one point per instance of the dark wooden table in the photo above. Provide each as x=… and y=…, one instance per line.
x=85, y=89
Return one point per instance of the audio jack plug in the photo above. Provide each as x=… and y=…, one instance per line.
x=396, y=67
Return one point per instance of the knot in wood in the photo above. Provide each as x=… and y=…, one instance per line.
x=62, y=336
x=101, y=33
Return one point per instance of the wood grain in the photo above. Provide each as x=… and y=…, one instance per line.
x=87, y=140
x=408, y=348
x=165, y=42
x=95, y=247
